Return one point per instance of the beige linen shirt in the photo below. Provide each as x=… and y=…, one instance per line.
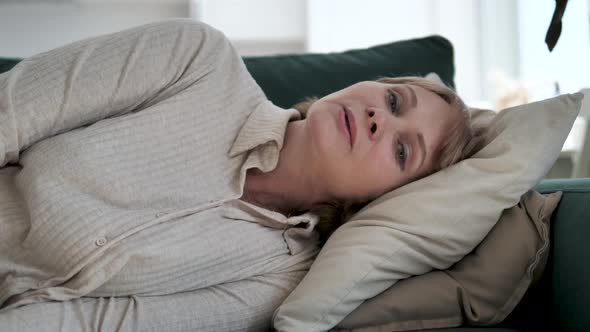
x=123, y=158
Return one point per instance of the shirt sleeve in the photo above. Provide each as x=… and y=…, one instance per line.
x=242, y=305
x=110, y=75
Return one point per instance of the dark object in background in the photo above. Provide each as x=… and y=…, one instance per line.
x=554, y=30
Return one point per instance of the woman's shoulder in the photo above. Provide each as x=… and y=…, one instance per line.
x=189, y=25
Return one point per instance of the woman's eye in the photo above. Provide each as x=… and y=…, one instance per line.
x=401, y=154
x=393, y=102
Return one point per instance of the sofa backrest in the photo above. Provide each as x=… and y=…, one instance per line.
x=7, y=63
x=289, y=79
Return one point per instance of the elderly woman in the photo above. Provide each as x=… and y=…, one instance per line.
x=148, y=183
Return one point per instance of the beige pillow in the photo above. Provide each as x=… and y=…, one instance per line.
x=431, y=223
x=481, y=289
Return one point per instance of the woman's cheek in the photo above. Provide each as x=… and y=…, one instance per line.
x=384, y=170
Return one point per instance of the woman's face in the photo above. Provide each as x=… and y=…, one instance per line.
x=372, y=137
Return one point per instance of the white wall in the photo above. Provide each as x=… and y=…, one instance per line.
x=336, y=25
x=257, y=27
x=499, y=42
x=31, y=27
x=458, y=21
x=254, y=19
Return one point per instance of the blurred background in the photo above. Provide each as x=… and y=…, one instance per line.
x=500, y=55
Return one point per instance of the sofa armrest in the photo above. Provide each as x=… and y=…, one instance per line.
x=565, y=185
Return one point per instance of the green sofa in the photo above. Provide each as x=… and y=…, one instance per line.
x=561, y=301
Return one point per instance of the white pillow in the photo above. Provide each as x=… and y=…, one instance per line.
x=433, y=222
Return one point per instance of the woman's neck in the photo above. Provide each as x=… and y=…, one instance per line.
x=291, y=186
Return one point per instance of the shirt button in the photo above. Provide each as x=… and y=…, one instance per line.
x=101, y=241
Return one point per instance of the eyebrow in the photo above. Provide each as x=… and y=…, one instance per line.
x=422, y=148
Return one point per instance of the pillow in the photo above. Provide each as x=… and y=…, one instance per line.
x=481, y=289
x=433, y=222
x=289, y=79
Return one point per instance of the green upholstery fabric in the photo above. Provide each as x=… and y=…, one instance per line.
x=568, y=272
x=288, y=79
x=7, y=63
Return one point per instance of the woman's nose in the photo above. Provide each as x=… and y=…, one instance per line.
x=375, y=123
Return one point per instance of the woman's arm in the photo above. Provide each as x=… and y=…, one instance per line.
x=243, y=305
x=102, y=77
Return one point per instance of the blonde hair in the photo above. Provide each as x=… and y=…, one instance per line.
x=454, y=148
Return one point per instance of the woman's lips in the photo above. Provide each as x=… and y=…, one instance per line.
x=352, y=125
x=342, y=117
x=350, y=129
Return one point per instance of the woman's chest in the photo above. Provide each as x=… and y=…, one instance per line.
x=162, y=156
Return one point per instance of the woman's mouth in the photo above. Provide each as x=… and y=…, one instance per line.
x=348, y=120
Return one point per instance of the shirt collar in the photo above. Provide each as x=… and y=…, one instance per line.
x=262, y=137
x=266, y=124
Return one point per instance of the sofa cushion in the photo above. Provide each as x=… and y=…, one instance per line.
x=288, y=79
